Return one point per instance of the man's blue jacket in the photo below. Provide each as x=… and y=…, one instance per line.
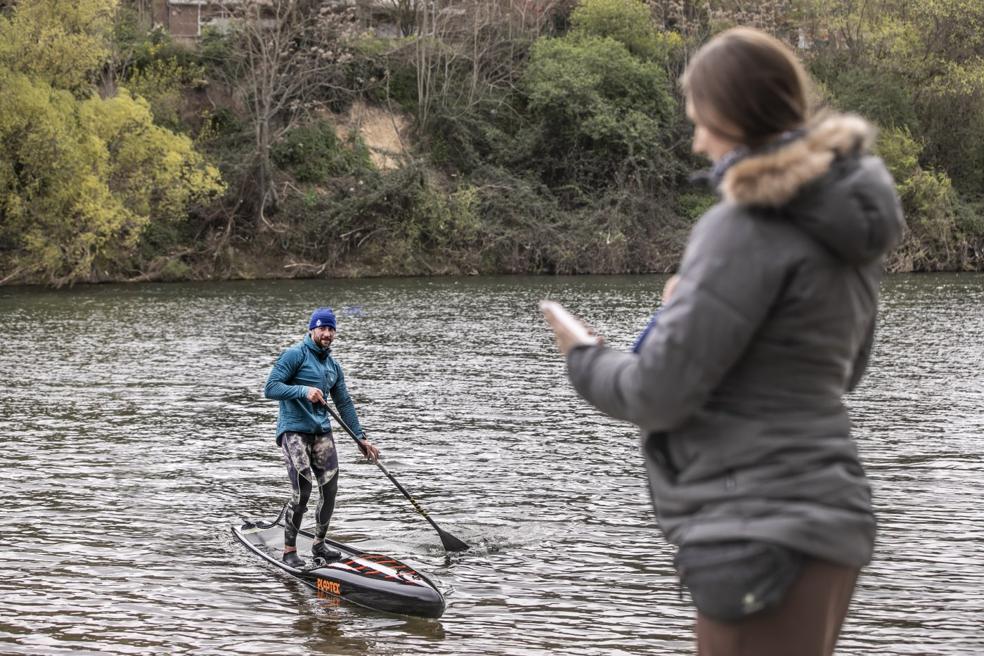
x=302, y=366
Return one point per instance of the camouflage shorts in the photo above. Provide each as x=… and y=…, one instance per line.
x=309, y=456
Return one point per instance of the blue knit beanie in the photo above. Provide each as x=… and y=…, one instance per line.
x=322, y=317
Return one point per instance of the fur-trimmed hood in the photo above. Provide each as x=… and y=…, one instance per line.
x=774, y=176
x=829, y=184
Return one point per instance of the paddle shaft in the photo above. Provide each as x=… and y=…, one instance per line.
x=450, y=542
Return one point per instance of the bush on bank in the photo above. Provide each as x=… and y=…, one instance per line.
x=82, y=175
x=552, y=146
x=579, y=162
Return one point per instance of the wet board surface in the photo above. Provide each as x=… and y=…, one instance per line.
x=371, y=580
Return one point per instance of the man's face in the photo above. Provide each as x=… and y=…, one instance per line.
x=323, y=336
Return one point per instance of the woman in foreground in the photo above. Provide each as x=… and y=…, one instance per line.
x=738, y=386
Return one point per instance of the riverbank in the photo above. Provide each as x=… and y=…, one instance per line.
x=498, y=140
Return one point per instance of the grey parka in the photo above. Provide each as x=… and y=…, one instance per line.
x=738, y=388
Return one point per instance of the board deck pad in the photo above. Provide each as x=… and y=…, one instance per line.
x=371, y=580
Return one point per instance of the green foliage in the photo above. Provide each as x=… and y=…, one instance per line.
x=162, y=83
x=599, y=108
x=216, y=51
x=222, y=121
x=59, y=217
x=884, y=98
x=467, y=141
x=175, y=270
x=400, y=87
x=154, y=172
x=82, y=180
x=970, y=222
x=910, y=63
x=952, y=121
x=63, y=42
x=524, y=224
x=939, y=235
x=560, y=154
x=397, y=222
x=314, y=153
x=627, y=21
x=527, y=229
x=82, y=176
x=693, y=204
x=916, y=67
x=150, y=65
x=929, y=200
x=900, y=152
x=932, y=241
x=383, y=72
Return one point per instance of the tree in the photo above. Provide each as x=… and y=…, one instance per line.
x=79, y=182
x=629, y=22
x=603, y=111
x=81, y=176
x=406, y=12
x=64, y=43
x=466, y=52
x=917, y=64
x=281, y=58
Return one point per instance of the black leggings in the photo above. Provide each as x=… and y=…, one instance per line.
x=322, y=515
x=309, y=458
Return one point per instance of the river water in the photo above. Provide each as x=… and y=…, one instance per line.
x=136, y=435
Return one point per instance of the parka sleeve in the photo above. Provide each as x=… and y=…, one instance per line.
x=346, y=408
x=277, y=385
x=728, y=282
x=862, y=358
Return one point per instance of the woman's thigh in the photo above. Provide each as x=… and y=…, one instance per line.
x=807, y=622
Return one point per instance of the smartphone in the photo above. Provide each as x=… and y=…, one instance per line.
x=556, y=311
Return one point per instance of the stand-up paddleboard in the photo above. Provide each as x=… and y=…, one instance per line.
x=370, y=580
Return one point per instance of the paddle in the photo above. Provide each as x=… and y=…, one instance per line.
x=450, y=542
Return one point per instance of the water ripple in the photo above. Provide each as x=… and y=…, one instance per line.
x=137, y=435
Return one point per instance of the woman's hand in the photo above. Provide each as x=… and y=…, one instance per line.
x=568, y=331
x=669, y=287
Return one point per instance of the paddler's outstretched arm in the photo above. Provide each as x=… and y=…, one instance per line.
x=346, y=408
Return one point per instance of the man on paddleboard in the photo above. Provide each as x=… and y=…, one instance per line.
x=302, y=378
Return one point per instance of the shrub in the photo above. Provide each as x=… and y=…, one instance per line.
x=85, y=179
x=600, y=111
x=900, y=152
x=629, y=22
x=313, y=153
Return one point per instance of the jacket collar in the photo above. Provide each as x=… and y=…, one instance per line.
x=319, y=352
x=774, y=174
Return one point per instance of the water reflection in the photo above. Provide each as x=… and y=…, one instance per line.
x=136, y=436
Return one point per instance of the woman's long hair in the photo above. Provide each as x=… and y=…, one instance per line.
x=747, y=86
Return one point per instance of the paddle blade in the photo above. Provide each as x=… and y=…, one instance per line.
x=450, y=542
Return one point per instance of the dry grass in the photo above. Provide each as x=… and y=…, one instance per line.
x=382, y=131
